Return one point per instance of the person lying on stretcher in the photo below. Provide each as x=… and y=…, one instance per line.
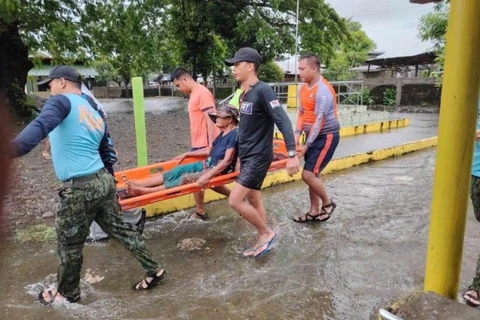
x=221, y=160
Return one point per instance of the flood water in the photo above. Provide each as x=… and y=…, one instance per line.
x=371, y=251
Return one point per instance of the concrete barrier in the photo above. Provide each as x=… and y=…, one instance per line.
x=281, y=176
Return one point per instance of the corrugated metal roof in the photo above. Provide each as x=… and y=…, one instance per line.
x=85, y=72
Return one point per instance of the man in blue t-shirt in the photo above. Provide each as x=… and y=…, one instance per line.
x=221, y=160
x=77, y=133
x=472, y=295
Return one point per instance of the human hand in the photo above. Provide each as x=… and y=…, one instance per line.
x=180, y=158
x=203, y=181
x=292, y=166
x=477, y=135
x=302, y=151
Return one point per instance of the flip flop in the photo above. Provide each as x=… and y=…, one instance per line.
x=202, y=216
x=470, y=299
x=152, y=283
x=50, y=295
x=268, y=247
x=251, y=251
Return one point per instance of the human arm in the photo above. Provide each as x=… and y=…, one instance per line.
x=274, y=108
x=56, y=109
x=197, y=153
x=219, y=168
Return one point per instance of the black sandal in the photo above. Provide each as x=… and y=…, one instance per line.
x=203, y=216
x=332, y=205
x=152, y=283
x=50, y=295
x=470, y=299
x=307, y=217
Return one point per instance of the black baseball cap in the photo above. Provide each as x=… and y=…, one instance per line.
x=65, y=72
x=245, y=54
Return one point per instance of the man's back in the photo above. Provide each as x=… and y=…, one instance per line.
x=75, y=141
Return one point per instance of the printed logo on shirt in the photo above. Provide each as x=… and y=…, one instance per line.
x=92, y=123
x=275, y=103
x=246, y=107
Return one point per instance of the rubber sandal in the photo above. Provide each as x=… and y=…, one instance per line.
x=307, y=217
x=268, y=247
x=202, y=216
x=470, y=299
x=50, y=295
x=152, y=283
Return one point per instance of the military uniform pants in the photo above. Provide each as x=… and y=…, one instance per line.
x=475, y=196
x=94, y=200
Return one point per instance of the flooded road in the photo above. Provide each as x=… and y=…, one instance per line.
x=370, y=252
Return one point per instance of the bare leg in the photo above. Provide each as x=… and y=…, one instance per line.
x=249, y=213
x=199, y=201
x=314, y=202
x=254, y=197
x=317, y=187
x=222, y=190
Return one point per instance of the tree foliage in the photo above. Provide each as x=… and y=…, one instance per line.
x=270, y=72
x=351, y=53
x=433, y=27
x=127, y=35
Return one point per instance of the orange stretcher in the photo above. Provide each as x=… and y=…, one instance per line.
x=138, y=174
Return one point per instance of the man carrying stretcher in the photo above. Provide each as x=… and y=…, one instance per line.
x=221, y=158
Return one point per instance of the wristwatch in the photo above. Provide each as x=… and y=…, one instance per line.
x=291, y=154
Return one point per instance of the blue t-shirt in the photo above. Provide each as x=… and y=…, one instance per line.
x=476, y=150
x=220, y=146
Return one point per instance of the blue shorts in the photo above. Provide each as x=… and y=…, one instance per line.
x=173, y=177
x=321, y=151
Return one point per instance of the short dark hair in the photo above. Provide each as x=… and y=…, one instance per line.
x=312, y=59
x=76, y=85
x=256, y=66
x=179, y=72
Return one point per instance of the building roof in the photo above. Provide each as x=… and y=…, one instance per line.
x=423, y=58
x=373, y=68
x=85, y=72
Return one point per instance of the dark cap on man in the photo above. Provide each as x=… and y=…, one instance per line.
x=245, y=54
x=65, y=72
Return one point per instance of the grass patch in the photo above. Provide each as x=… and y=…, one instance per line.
x=37, y=233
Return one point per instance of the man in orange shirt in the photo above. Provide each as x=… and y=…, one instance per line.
x=317, y=117
x=202, y=130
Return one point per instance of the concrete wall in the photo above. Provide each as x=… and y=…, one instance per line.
x=409, y=91
x=118, y=92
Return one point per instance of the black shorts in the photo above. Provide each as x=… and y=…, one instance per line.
x=321, y=151
x=253, y=171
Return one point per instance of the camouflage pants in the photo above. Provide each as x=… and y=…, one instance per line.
x=475, y=196
x=95, y=200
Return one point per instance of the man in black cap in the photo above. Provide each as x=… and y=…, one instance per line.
x=260, y=111
x=77, y=133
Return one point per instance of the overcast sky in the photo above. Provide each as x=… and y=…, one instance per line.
x=392, y=24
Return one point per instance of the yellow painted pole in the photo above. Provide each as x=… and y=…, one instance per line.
x=458, y=114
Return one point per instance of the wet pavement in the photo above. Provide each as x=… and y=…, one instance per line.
x=372, y=251
x=421, y=126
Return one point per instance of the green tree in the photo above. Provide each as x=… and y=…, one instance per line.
x=27, y=26
x=127, y=35
x=267, y=26
x=270, y=72
x=433, y=27
x=350, y=53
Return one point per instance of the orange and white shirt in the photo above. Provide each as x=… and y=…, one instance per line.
x=318, y=112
